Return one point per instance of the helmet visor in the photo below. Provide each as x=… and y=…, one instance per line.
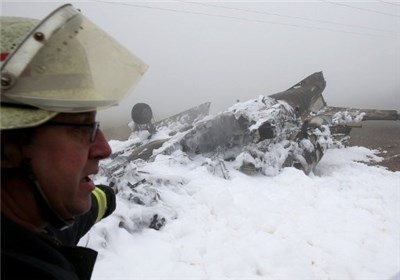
x=68, y=64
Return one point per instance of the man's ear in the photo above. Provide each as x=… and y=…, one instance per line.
x=11, y=153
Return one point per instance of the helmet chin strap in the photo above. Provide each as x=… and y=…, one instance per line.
x=47, y=211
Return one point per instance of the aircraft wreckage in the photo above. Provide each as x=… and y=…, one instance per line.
x=292, y=128
x=262, y=135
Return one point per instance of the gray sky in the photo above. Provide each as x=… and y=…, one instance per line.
x=198, y=52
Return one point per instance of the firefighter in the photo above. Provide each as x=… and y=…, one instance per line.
x=55, y=75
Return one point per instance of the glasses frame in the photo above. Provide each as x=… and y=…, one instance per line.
x=95, y=127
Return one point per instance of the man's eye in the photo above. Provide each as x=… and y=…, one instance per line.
x=81, y=132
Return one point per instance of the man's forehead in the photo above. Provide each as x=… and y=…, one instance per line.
x=87, y=117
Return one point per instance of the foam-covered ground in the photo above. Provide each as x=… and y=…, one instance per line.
x=340, y=222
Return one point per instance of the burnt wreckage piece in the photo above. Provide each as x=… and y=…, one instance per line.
x=289, y=128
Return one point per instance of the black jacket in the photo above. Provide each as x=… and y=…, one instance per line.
x=52, y=254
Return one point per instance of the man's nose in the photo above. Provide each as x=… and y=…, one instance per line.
x=100, y=148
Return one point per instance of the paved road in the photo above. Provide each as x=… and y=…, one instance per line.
x=381, y=135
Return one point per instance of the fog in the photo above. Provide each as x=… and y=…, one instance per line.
x=199, y=52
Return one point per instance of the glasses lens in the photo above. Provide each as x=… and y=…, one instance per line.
x=95, y=128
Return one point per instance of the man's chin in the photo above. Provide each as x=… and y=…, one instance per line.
x=82, y=208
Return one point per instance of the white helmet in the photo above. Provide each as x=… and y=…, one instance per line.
x=64, y=63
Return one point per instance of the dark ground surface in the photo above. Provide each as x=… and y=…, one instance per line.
x=383, y=136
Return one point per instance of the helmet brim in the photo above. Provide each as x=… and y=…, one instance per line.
x=23, y=117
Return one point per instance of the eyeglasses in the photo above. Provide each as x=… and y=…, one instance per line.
x=94, y=127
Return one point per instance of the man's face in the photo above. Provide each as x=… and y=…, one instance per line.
x=62, y=158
